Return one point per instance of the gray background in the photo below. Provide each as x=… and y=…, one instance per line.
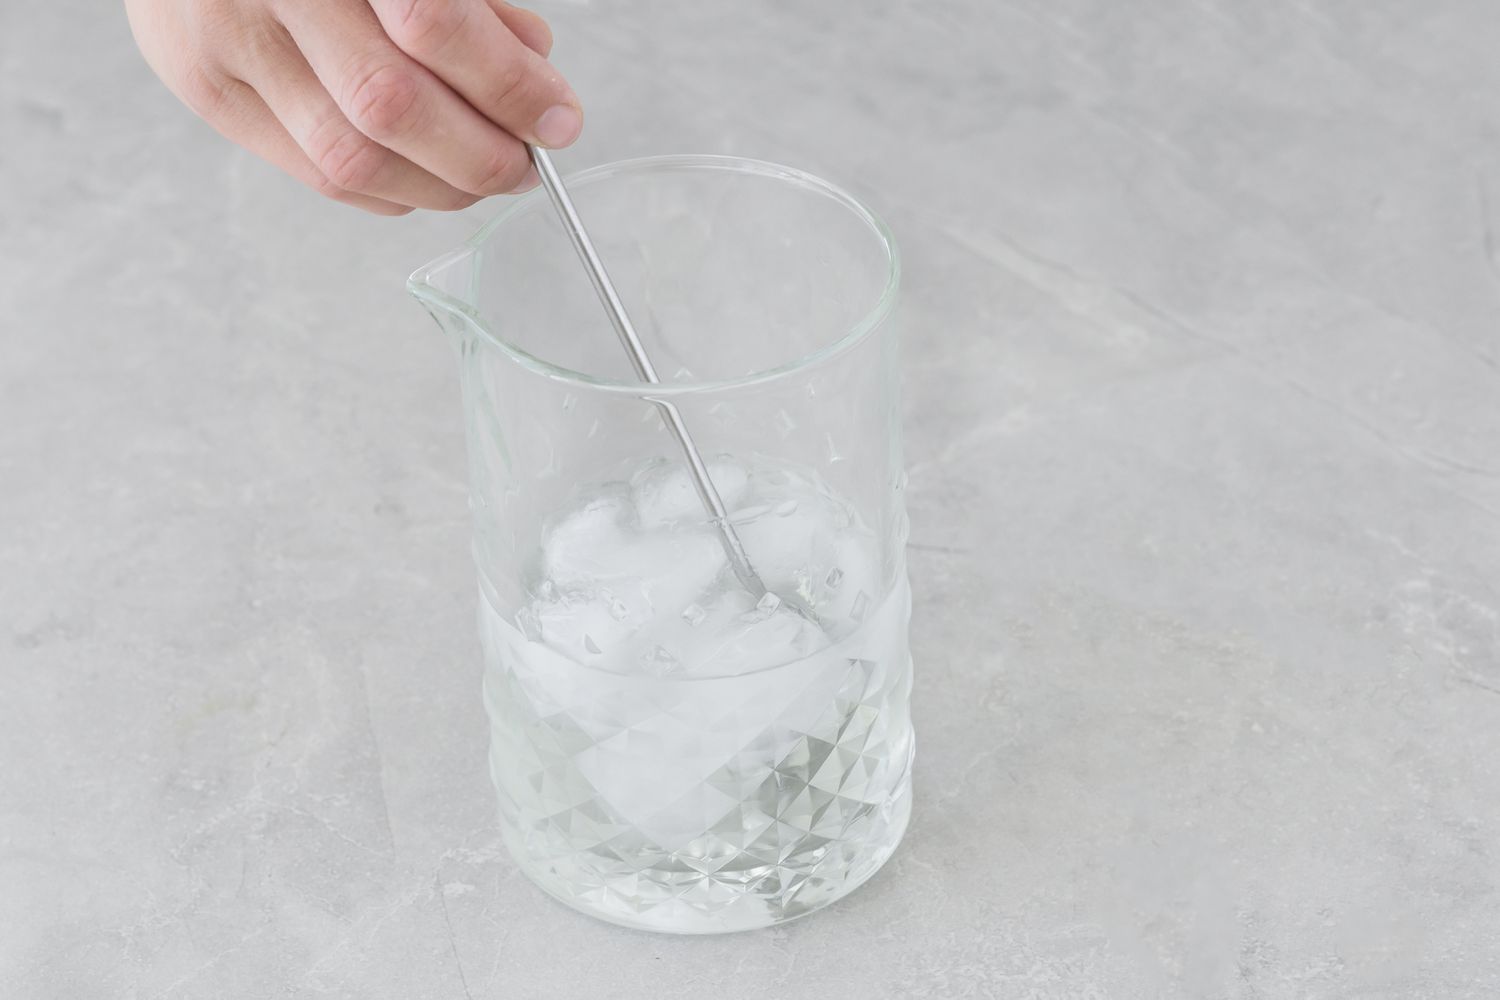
x=1203, y=416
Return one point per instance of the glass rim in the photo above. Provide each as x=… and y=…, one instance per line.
x=420, y=285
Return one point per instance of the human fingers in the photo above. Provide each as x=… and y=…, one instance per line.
x=241, y=116
x=531, y=28
x=397, y=102
x=345, y=156
x=467, y=45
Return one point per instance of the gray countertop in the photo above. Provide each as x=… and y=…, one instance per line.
x=1203, y=422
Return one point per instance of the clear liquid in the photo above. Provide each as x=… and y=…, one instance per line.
x=673, y=754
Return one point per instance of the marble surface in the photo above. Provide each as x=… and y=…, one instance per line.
x=1203, y=411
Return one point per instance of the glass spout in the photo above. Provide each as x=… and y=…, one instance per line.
x=446, y=287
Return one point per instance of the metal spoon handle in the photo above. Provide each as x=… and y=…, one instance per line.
x=620, y=320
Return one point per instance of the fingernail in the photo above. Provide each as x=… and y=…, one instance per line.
x=528, y=182
x=559, y=126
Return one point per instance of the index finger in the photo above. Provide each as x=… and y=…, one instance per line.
x=467, y=45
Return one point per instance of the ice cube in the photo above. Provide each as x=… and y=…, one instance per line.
x=614, y=589
x=658, y=661
x=675, y=569
x=694, y=637
x=739, y=634
x=526, y=621
x=599, y=542
x=855, y=571
x=635, y=582
x=664, y=492
x=578, y=624
x=760, y=642
x=787, y=551
x=585, y=542
x=745, y=515
x=766, y=607
x=814, y=551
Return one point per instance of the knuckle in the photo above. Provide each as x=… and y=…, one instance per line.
x=382, y=101
x=333, y=192
x=543, y=39
x=217, y=21
x=203, y=91
x=502, y=173
x=265, y=43
x=384, y=208
x=347, y=159
x=328, y=189
x=511, y=84
x=426, y=26
x=461, y=201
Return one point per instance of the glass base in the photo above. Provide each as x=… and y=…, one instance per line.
x=686, y=900
x=700, y=806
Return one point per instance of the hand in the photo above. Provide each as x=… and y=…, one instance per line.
x=389, y=105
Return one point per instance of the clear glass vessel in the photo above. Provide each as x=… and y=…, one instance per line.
x=671, y=750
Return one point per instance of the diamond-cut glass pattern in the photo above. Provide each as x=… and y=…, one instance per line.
x=701, y=804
